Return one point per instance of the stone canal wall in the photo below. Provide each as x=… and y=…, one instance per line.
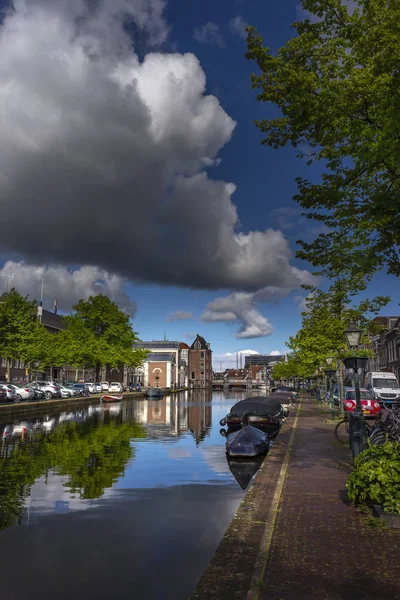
x=12, y=409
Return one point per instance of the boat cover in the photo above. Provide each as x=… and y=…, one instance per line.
x=247, y=441
x=260, y=405
x=283, y=395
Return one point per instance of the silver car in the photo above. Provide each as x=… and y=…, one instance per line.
x=10, y=392
x=67, y=392
x=23, y=393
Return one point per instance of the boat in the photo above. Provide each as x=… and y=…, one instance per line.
x=287, y=399
x=265, y=412
x=154, y=393
x=109, y=398
x=247, y=441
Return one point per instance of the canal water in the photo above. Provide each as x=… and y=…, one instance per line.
x=119, y=501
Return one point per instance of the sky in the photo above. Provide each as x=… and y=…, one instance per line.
x=130, y=165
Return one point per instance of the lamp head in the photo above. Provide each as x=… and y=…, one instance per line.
x=353, y=335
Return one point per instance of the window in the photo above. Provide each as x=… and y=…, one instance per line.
x=201, y=355
x=202, y=365
x=202, y=375
x=193, y=375
x=3, y=362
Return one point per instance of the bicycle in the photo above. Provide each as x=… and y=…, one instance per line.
x=387, y=426
x=342, y=430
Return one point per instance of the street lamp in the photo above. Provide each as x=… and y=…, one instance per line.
x=357, y=428
x=330, y=373
x=353, y=336
x=157, y=378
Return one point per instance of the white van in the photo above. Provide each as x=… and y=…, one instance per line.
x=383, y=385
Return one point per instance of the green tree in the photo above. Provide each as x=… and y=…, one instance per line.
x=22, y=336
x=337, y=86
x=327, y=316
x=98, y=334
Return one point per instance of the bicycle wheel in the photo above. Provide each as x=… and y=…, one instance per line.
x=342, y=432
x=377, y=437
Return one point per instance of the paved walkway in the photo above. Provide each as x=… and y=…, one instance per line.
x=321, y=547
x=294, y=536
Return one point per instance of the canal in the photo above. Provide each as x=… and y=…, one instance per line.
x=120, y=501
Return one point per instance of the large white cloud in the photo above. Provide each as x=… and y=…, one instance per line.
x=242, y=307
x=239, y=306
x=103, y=155
x=67, y=286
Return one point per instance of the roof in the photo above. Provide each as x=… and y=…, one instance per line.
x=385, y=321
x=157, y=344
x=184, y=346
x=202, y=341
x=52, y=320
x=160, y=357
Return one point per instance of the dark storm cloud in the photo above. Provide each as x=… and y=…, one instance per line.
x=102, y=157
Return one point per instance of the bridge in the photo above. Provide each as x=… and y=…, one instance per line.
x=231, y=383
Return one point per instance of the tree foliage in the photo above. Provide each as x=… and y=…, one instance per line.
x=22, y=336
x=336, y=84
x=327, y=316
x=97, y=334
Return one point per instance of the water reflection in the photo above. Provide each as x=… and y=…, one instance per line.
x=93, y=449
x=244, y=469
x=140, y=487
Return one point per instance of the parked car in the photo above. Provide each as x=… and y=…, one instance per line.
x=371, y=407
x=81, y=389
x=115, y=386
x=135, y=387
x=67, y=391
x=105, y=386
x=11, y=395
x=50, y=389
x=23, y=393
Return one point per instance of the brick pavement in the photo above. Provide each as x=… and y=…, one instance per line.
x=321, y=547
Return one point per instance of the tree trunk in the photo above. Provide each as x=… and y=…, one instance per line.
x=51, y=373
x=8, y=371
x=76, y=374
x=98, y=367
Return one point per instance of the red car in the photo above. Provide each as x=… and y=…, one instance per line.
x=371, y=407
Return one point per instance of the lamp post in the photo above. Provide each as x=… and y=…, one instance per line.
x=357, y=429
x=157, y=378
x=330, y=373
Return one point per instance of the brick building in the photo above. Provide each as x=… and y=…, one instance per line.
x=179, y=374
x=159, y=370
x=200, y=363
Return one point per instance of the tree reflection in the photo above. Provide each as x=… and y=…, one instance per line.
x=92, y=456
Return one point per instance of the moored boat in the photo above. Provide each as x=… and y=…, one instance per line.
x=248, y=441
x=264, y=412
x=109, y=398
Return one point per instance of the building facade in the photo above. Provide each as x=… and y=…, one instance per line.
x=262, y=360
x=180, y=363
x=159, y=370
x=200, y=363
x=386, y=346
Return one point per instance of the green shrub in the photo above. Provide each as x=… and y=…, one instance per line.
x=376, y=477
